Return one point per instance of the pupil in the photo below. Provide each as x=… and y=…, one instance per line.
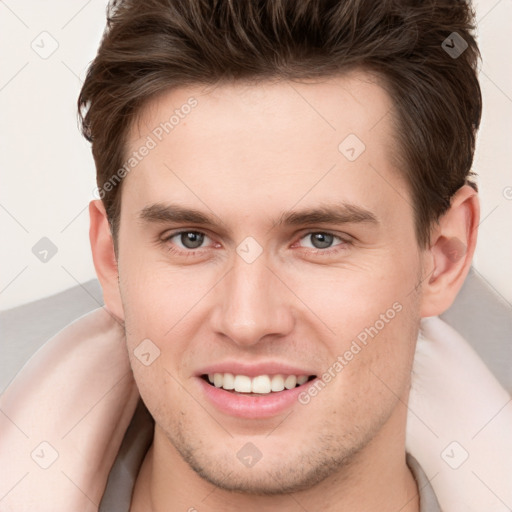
x=192, y=240
x=322, y=240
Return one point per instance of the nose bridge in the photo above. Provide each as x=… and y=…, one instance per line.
x=252, y=304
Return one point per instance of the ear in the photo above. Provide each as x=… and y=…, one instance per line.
x=451, y=251
x=102, y=246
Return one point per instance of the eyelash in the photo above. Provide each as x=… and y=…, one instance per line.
x=323, y=252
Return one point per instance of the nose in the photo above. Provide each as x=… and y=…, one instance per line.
x=252, y=303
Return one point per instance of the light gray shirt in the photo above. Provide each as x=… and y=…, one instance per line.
x=137, y=440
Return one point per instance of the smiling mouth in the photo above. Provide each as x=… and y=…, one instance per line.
x=259, y=385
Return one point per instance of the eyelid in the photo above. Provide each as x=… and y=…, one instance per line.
x=171, y=234
x=344, y=238
x=308, y=231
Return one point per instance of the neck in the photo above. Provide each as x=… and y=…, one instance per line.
x=377, y=479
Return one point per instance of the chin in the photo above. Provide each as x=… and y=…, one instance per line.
x=273, y=474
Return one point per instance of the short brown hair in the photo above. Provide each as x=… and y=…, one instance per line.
x=155, y=45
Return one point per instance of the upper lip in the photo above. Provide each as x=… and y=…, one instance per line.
x=255, y=369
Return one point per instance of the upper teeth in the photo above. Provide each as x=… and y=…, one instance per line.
x=259, y=384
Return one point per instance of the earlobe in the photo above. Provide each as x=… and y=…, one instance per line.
x=451, y=251
x=104, y=259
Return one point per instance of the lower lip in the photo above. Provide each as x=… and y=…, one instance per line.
x=250, y=406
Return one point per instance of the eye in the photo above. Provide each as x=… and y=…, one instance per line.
x=188, y=240
x=322, y=240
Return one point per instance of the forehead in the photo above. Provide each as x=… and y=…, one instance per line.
x=275, y=140
x=354, y=100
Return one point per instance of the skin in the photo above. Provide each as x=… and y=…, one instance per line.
x=245, y=155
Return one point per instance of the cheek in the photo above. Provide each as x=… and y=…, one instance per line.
x=161, y=306
x=156, y=297
x=161, y=390
x=377, y=361
x=155, y=301
x=352, y=299
x=374, y=322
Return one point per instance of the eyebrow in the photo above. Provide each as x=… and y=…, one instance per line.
x=342, y=213
x=339, y=213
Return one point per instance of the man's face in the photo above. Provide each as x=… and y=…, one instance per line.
x=256, y=292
